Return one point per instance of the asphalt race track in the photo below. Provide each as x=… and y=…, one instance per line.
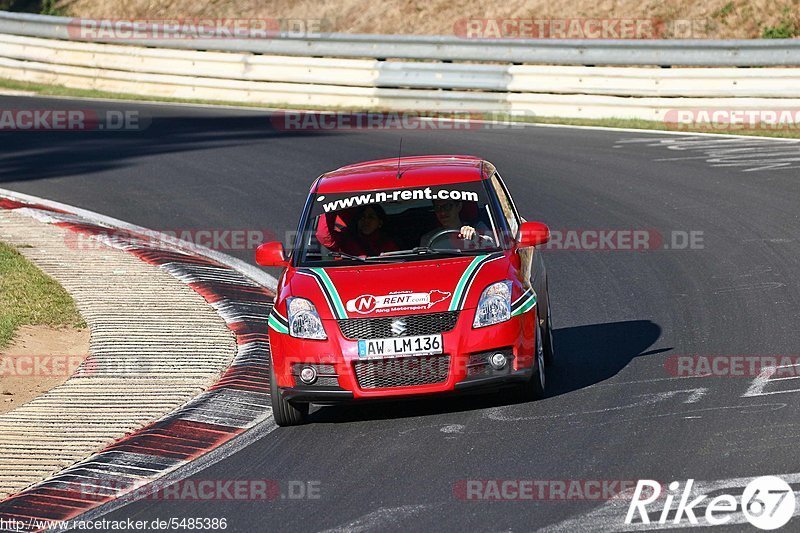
x=614, y=411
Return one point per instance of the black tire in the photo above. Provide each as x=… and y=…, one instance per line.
x=547, y=336
x=285, y=413
x=533, y=389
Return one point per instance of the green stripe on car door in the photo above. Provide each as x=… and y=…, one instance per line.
x=276, y=325
x=339, y=309
x=462, y=282
x=525, y=306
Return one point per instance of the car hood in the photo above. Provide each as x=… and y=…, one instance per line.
x=414, y=287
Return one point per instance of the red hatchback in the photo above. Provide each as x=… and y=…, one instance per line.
x=408, y=277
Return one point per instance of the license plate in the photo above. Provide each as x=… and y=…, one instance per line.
x=400, y=346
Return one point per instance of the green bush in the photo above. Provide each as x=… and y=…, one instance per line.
x=50, y=7
x=42, y=7
x=724, y=11
x=785, y=30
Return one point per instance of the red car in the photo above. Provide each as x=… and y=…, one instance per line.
x=408, y=277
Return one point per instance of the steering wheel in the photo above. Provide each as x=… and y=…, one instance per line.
x=443, y=233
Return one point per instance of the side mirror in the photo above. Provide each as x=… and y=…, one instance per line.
x=533, y=234
x=270, y=254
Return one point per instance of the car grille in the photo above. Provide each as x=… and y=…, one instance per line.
x=402, y=371
x=378, y=328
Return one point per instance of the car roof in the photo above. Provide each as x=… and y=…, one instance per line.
x=415, y=171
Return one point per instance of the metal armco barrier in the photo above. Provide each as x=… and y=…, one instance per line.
x=708, y=53
x=323, y=71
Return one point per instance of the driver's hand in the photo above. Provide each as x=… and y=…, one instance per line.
x=467, y=232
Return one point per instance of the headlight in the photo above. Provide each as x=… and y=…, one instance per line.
x=304, y=321
x=494, y=306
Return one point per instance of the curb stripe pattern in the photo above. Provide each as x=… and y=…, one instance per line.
x=235, y=403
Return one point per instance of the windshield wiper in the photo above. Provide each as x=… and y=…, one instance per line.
x=347, y=256
x=422, y=250
x=356, y=257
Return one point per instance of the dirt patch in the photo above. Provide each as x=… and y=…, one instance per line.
x=38, y=359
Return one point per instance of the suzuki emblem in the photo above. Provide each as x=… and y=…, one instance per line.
x=398, y=327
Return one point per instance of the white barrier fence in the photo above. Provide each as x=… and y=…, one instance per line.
x=565, y=91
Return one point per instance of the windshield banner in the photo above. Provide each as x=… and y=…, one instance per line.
x=331, y=203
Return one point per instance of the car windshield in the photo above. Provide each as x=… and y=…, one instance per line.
x=398, y=225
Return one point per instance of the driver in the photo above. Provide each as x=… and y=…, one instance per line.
x=448, y=215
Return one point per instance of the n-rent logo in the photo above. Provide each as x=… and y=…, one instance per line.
x=367, y=303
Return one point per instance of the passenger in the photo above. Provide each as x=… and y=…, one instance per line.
x=370, y=236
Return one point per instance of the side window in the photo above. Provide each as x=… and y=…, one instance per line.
x=506, y=204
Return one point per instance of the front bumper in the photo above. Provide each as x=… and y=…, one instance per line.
x=491, y=382
x=462, y=344
x=335, y=396
x=320, y=395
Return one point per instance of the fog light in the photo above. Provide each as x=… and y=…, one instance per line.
x=498, y=361
x=308, y=375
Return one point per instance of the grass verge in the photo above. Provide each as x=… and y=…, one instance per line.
x=58, y=90
x=29, y=297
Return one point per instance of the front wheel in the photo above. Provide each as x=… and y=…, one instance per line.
x=547, y=334
x=533, y=389
x=285, y=413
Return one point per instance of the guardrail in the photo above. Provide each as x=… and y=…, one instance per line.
x=546, y=90
x=710, y=53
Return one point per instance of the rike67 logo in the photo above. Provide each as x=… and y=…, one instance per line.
x=767, y=502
